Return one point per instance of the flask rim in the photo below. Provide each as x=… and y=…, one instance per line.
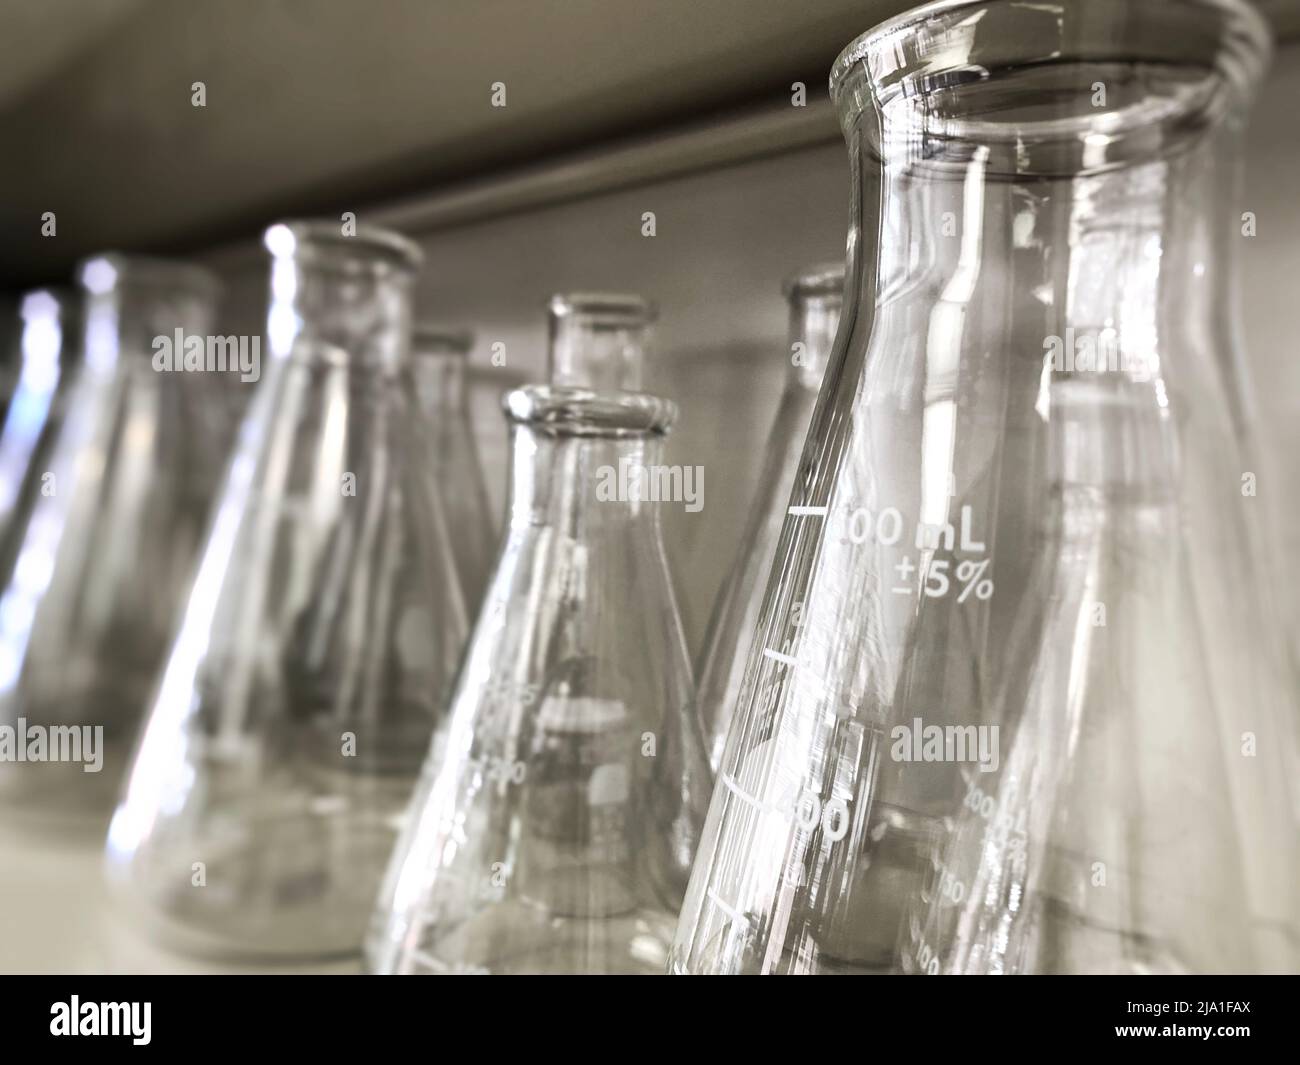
x=884, y=65
x=431, y=340
x=821, y=279
x=319, y=240
x=611, y=309
x=46, y=300
x=102, y=273
x=560, y=410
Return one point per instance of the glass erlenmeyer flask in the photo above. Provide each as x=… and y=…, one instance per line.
x=325, y=618
x=991, y=720
x=556, y=834
x=815, y=298
x=438, y=362
x=102, y=528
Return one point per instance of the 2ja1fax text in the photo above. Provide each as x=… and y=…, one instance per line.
x=1189, y=1007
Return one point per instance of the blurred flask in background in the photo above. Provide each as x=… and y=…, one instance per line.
x=109, y=467
x=48, y=351
x=439, y=364
x=815, y=298
x=556, y=834
x=324, y=622
x=33, y=309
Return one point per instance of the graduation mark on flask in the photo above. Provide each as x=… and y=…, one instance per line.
x=927, y=960
x=780, y=656
x=499, y=770
x=808, y=810
x=950, y=887
x=785, y=660
x=507, y=690
x=1005, y=831
x=887, y=528
x=726, y=907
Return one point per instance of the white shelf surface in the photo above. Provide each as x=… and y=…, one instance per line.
x=57, y=918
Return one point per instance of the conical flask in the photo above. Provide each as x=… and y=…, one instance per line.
x=438, y=362
x=556, y=834
x=324, y=621
x=106, y=486
x=815, y=297
x=993, y=718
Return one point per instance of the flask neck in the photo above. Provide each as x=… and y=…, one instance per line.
x=1067, y=164
x=339, y=299
x=1120, y=271
x=580, y=485
x=440, y=381
x=814, y=320
x=143, y=310
x=598, y=341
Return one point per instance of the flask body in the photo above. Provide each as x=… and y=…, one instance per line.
x=1013, y=707
x=307, y=673
x=109, y=474
x=555, y=832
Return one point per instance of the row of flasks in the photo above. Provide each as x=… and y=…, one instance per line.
x=1000, y=682
x=262, y=663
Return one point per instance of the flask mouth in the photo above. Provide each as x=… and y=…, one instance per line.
x=1108, y=75
x=563, y=411
x=101, y=274
x=324, y=243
